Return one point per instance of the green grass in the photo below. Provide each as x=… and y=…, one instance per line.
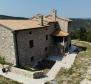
x=79, y=69
x=4, y=80
x=3, y=62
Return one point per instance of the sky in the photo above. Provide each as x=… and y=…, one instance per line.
x=28, y=8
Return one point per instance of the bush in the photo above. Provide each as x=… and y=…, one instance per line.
x=38, y=75
x=2, y=61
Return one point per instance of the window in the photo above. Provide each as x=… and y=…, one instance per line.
x=46, y=48
x=32, y=59
x=46, y=37
x=31, y=44
x=30, y=32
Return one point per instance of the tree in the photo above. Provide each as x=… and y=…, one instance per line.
x=83, y=34
x=89, y=35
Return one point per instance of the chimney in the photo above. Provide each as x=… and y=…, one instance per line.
x=54, y=14
x=40, y=20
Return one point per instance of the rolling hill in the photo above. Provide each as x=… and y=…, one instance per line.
x=79, y=23
x=11, y=17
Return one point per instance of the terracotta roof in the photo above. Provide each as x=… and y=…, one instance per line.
x=60, y=33
x=20, y=24
x=32, y=23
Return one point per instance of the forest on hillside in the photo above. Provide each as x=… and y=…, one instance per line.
x=78, y=23
x=81, y=29
x=11, y=17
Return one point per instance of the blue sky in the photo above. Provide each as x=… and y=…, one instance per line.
x=28, y=8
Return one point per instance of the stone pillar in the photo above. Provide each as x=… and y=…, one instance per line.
x=63, y=46
x=40, y=20
x=54, y=14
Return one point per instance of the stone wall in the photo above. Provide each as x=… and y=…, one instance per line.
x=38, y=52
x=63, y=24
x=7, y=50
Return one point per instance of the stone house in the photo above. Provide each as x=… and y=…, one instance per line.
x=27, y=42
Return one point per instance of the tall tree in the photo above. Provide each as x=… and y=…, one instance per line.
x=83, y=34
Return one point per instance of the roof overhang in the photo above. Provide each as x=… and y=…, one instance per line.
x=60, y=33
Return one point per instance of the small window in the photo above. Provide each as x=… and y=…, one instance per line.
x=46, y=37
x=30, y=32
x=31, y=44
x=46, y=48
x=32, y=59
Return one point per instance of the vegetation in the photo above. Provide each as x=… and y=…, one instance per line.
x=82, y=34
x=11, y=17
x=78, y=71
x=3, y=62
x=81, y=29
x=78, y=23
x=4, y=80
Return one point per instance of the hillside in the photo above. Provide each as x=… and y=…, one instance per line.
x=81, y=69
x=78, y=23
x=11, y=17
x=81, y=29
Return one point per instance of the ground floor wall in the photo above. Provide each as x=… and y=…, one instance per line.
x=55, y=50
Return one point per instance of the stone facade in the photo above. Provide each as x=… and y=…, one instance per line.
x=30, y=56
x=7, y=49
x=63, y=24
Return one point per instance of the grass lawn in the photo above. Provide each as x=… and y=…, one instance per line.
x=4, y=80
x=78, y=71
